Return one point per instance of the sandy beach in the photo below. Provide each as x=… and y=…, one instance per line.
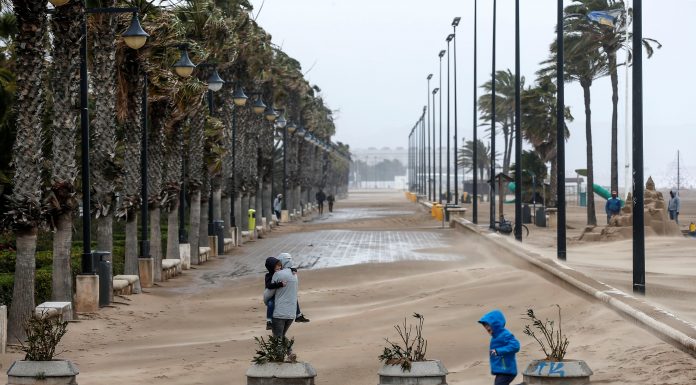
x=393, y=260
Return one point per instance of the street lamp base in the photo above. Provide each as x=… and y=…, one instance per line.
x=87, y=293
x=146, y=269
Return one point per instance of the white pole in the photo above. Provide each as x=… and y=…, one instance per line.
x=627, y=148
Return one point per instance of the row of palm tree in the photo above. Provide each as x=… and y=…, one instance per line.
x=590, y=52
x=40, y=76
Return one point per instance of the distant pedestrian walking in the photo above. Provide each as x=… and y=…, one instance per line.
x=674, y=206
x=613, y=206
x=502, y=348
x=331, y=200
x=278, y=206
x=321, y=197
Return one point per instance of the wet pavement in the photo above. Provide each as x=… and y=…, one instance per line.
x=408, y=236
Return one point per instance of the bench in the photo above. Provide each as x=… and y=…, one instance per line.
x=62, y=310
x=133, y=283
x=203, y=254
x=260, y=231
x=458, y=212
x=229, y=245
x=170, y=268
x=246, y=236
x=121, y=287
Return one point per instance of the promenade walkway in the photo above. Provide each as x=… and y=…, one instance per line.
x=373, y=262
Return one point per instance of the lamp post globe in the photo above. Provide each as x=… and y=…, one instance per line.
x=281, y=122
x=301, y=132
x=270, y=114
x=135, y=37
x=58, y=3
x=239, y=98
x=184, y=67
x=291, y=128
x=259, y=106
x=215, y=82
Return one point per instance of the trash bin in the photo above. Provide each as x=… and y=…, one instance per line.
x=219, y=231
x=540, y=217
x=105, y=273
x=526, y=214
x=252, y=220
x=583, y=199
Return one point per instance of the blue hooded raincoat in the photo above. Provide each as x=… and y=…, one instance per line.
x=504, y=343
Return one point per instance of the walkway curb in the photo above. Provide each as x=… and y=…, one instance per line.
x=665, y=324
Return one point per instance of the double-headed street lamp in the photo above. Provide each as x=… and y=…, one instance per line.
x=492, y=173
x=134, y=37
x=434, y=179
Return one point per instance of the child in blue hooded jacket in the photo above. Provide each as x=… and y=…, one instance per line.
x=502, y=348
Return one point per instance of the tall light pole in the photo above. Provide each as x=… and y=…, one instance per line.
x=449, y=87
x=135, y=38
x=518, y=131
x=239, y=99
x=492, y=176
x=474, y=207
x=441, y=54
x=455, y=23
x=437, y=199
x=638, y=198
x=560, y=138
x=431, y=175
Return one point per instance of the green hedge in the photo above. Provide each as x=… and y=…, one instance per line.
x=42, y=284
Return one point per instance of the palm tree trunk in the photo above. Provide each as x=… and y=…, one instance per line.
x=105, y=239
x=173, y=230
x=245, y=212
x=30, y=68
x=614, y=120
x=591, y=216
x=194, y=225
x=23, y=290
x=131, y=258
x=156, y=242
x=225, y=204
x=203, y=225
x=61, y=282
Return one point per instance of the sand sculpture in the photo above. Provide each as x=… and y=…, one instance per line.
x=621, y=226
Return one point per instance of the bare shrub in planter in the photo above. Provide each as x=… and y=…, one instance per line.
x=413, y=348
x=273, y=350
x=43, y=335
x=553, y=342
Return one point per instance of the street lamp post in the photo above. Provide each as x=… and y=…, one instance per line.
x=455, y=23
x=441, y=54
x=431, y=174
x=239, y=99
x=449, y=87
x=474, y=207
x=434, y=189
x=135, y=38
x=492, y=173
x=638, y=192
x=518, y=131
x=560, y=139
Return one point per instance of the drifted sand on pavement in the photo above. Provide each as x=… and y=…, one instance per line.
x=173, y=337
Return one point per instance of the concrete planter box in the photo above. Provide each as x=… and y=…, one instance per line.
x=281, y=373
x=566, y=372
x=422, y=373
x=56, y=372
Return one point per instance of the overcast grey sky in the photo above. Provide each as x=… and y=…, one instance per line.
x=371, y=59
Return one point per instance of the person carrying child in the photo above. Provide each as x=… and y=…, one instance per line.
x=273, y=265
x=502, y=348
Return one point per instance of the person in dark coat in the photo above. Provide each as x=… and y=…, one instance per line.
x=321, y=197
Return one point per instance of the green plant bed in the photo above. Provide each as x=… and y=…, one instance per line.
x=42, y=284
